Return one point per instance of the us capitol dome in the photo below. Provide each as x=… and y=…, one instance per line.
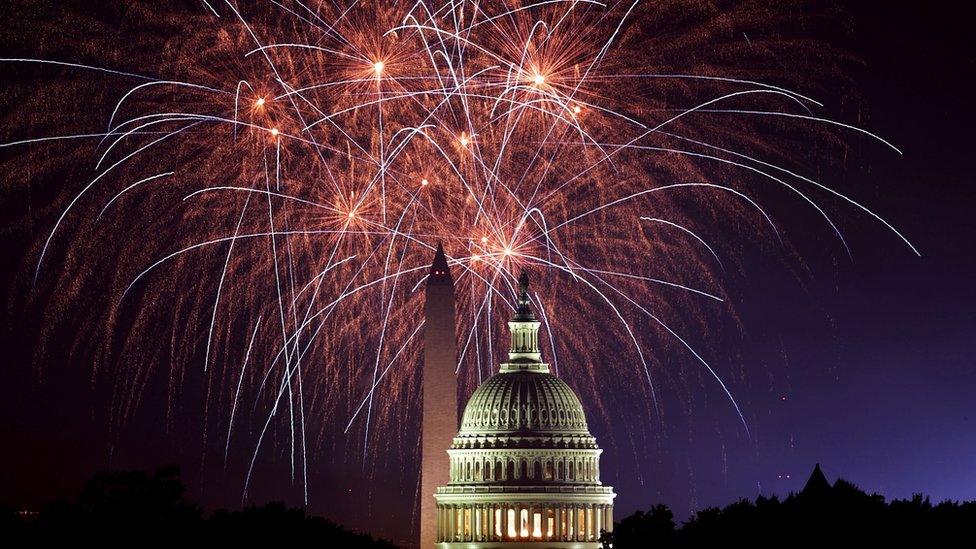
x=525, y=470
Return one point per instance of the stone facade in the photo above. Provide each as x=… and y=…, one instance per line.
x=524, y=469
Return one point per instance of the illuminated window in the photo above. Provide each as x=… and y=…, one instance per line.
x=524, y=523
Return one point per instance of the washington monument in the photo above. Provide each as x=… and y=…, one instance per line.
x=440, y=422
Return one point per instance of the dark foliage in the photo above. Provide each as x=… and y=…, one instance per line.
x=136, y=505
x=838, y=515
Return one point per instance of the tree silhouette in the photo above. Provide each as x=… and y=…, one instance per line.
x=147, y=508
x=833, y=515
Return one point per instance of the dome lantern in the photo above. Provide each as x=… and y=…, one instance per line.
x=524, y=353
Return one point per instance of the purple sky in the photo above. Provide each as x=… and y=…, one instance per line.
x=871, y=360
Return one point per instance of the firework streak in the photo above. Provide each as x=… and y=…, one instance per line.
x=264, y=192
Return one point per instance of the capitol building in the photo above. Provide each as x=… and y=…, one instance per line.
x=524, y=468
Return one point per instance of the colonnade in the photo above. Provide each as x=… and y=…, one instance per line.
x=488, y=469
x=504, y=521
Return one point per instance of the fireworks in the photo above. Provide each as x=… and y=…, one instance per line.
x=267, y=194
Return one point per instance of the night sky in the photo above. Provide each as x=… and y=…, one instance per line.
x=865, y=366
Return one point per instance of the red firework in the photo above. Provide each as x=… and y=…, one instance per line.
x=265, y=185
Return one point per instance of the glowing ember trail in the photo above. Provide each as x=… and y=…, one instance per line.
x=268, y=187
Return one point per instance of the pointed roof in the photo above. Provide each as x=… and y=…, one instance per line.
x=817, y=484
x=439, y=270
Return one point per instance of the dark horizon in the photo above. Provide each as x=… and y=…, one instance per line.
x=865, y=366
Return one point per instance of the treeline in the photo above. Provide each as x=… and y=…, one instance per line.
x=148, y=507
x=835, y=516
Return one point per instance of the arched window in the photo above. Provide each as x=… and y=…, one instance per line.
x=467, y=471
x=571, y=472
x=525, y=469
x=537, y=474
x=499, y=471
x=548, y=475
x=560, y=473
x=511, y=471
x=488, y=470
x=477, y=470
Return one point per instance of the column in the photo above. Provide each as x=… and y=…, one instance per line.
x=590, y=521
x=449, y=510
x=580, y=523
x=511, y=514
x=475, y=523
x=559, y=523
x=585, y=530
x=591, y=518
x=571, y=522
x=595, y=533
x=587, y=525
x=496, y=522
x=566, y=525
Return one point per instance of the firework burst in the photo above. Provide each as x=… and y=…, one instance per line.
x=265, y=190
